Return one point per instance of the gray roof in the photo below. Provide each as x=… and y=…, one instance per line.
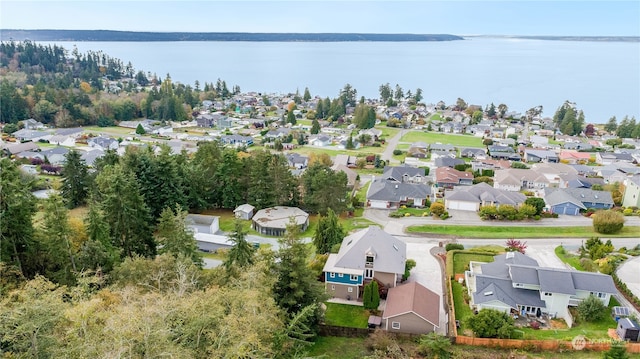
x=498, y=268
x=593, y=282
x=384, y=190
x=578, y=196
x=556, y=281
x=448, y=162
x=390, y=253
x=397, y=172
x=483, y=192
x=489, y=289
x=524, y=274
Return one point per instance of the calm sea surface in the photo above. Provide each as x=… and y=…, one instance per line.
x=602, y=78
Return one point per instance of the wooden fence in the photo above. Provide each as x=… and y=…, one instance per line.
x=541, y=345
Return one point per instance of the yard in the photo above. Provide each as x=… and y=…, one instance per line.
x=461, y=260
x=345, y=315
x=433, y=137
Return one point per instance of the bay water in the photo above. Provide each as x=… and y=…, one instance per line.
x=602, y=78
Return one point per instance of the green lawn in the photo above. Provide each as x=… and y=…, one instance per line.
x=461, y=260
x=568, y=258
x=595, y=330
x=432, y=137
x=338, y=347
x=344, y=315
x=416, y=212
x=519, y=231
x=461, y=308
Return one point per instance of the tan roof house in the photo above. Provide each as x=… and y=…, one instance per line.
x=411, y=308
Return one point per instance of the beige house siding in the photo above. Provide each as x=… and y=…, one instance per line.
x=388, y=279
x=342, y=291
x=409, y=323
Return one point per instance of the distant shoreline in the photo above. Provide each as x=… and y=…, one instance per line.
x=132, y=36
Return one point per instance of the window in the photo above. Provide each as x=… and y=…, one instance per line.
x=332, y=275
x=368, y=273
x=333, y=287
x=340, y=275
x=354, y=277
x=395, y=325
x=350, y=290
x=601, y=295
x=369, y=260
x=548, y=294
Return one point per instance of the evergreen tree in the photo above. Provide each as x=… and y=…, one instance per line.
x=307, y=94
x=140, y=130
x=296, y=287
x=61, y=258
x=241, y=253
x=349, y=145
x=175, y=238
x=328, y=233
x=17, y=207
x=97, y=252
x=324, y=188
x=125, y=212
x=75, y=180
x=612, y=125
x=315, y=127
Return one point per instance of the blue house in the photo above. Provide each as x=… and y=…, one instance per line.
x=364, y=256
x=573, y=200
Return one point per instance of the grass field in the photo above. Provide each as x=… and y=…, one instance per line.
x=432, y=137
x=519, y=231
x=113, y=130
x=345, y=315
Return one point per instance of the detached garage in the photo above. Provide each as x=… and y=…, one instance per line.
x=628, y=330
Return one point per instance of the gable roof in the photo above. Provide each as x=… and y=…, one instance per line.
x=578, y=196
x=385, y=190
x=489, y=289
x=482, y=192
x=397, y=172
x=413, y=298
x=390, y=252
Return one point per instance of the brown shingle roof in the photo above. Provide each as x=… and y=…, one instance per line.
x=413, y=297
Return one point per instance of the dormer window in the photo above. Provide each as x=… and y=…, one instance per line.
x=369, y=259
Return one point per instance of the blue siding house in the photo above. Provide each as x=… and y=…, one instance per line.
x=364, y=256
x=572, y=200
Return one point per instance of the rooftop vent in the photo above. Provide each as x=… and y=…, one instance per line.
x=395, y=247
x=488, y=293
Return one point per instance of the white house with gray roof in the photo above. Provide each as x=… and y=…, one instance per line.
x=516, y=284
x=385, y=193
x=367, y=254
x=471, y=198
x=273, y=221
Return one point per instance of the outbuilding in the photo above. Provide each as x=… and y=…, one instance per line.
x=628, y=329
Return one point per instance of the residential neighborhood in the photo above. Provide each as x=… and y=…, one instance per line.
x=355, y=217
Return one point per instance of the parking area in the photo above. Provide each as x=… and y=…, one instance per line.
x=427, y=273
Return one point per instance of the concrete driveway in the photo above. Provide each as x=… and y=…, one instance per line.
x=629, y=272
x=427, y=273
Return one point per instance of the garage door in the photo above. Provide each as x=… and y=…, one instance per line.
x=378, y=204
x=460, y=205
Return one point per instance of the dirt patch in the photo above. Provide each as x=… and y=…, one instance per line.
x=557, y=324
x=613, y=334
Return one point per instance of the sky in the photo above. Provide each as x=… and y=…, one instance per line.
x=474, y=17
